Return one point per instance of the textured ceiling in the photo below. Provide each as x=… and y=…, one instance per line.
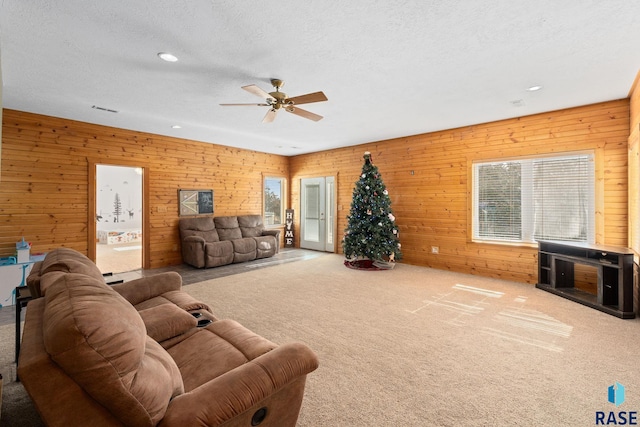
x=389, y=68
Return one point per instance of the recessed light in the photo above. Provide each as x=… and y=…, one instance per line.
x=534, y=88
x=166, y=56
x=176, y=127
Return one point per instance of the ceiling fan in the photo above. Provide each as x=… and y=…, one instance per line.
x=277, y=100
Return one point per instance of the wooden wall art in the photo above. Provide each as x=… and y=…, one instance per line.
x=195, y=202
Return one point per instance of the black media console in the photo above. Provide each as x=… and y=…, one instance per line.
x=615, y=275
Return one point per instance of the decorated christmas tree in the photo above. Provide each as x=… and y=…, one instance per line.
x=371, y=232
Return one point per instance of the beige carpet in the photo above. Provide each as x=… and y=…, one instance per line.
x=415, y=346
x=420, y=347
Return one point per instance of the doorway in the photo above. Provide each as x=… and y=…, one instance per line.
x=317, y=214
x=118, y=218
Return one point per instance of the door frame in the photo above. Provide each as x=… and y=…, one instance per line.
x=91, y=219
x=334, y=209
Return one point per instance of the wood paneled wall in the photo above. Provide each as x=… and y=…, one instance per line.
x=634, y=184
x=634, y=102
x=428, y=178
x=634, y=166
x=45, y=191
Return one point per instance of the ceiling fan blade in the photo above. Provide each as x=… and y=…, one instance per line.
x=244, y=105
x=270, y=116
x=309, y=98
x=257, y=91
x=303, y=113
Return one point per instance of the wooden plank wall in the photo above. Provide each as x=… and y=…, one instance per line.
x=634, y=185
x=428, y=178
x=44, y=184
x=634, y=101
x=634, y=167
x=44, y=191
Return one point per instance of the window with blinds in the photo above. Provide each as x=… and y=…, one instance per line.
x=542, y=198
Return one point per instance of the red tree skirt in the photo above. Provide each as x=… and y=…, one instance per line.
x=361, y=264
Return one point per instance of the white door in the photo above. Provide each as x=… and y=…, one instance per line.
x=317, y=218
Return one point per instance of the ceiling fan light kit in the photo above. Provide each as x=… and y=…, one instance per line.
x=277, y=100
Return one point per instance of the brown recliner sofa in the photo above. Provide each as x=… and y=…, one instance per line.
x=215, y=241
x=133, y=354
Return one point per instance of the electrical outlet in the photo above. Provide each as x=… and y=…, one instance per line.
x=435, y=249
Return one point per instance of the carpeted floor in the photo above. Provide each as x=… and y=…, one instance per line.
x=415, y=346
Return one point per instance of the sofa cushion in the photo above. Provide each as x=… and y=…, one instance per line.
x=69, y=261
x=228, y=228
x=208, y=236
x=244, y=249
x=218, y=253
x=203, y=223
x=202, y=227
x=250, y=225
x=225, y=341
x=64, y=260
x=100, y=341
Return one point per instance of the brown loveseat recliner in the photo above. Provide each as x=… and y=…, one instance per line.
x=132, y=354
x=211, y=242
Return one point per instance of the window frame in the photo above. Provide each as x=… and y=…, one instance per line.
x=283, y=199
x=596, y=203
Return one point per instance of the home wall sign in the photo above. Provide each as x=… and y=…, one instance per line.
x=288, y=229
x=195, y=202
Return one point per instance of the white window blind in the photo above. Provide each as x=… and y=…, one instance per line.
x=526, y=200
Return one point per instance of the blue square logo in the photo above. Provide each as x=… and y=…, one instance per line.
x=616, y=394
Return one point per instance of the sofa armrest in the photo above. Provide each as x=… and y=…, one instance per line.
x=233, y=393
x=138, y=290
x=193, y=252
x=274, y=233
x=194, y=239
x=167, y=321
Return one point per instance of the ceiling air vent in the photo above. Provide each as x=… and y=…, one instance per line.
x=95, y=107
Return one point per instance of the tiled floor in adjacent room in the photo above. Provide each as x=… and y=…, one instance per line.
x=190, y=274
